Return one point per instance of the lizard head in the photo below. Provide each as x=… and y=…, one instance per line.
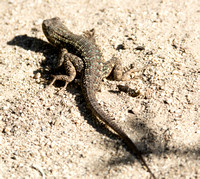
x=51, y=27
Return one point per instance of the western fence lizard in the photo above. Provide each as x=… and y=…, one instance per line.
x=81, y=54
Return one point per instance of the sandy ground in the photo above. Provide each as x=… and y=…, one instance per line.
x=45, y=134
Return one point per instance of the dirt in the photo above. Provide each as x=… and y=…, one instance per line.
x=47, y=134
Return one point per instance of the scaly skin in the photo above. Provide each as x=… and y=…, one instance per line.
x=92, y=68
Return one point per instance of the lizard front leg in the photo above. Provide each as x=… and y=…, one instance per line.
x=114, y=67
x=65, y=59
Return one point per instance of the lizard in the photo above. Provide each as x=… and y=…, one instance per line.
x=80, y=54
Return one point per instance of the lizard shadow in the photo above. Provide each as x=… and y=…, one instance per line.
x=32, y=43
x=39, y=46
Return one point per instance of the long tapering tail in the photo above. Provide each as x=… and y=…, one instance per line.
x=96, y=109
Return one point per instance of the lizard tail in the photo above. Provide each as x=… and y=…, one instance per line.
x=96, y=109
